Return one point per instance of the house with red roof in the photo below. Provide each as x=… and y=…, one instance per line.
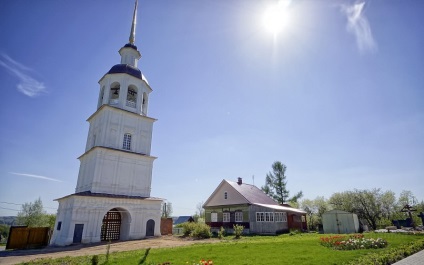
x=244, y=204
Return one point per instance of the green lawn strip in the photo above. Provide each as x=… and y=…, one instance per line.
x=298, y=249
x=398, y=250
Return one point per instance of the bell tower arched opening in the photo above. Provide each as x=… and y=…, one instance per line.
x=144, y=104
x=114, y=93
x=132, y=96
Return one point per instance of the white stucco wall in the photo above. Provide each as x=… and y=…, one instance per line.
x=108, y=126
x=109, y=171
x=89, y=211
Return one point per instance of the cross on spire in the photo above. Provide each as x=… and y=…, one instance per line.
x=134, y=22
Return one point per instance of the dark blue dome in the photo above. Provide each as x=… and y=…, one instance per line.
x=129, y=45
x=125, y=69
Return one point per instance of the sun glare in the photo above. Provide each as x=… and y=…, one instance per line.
x=276, y=17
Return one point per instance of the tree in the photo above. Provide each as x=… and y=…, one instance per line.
x=33, y=214
x=314, y=209
x=406, y=197
x=4, y=231
x=373, y=206
x=166, y=209
x=275, y=184
x=200, y=213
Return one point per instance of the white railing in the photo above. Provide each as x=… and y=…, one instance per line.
x=113, y=101
x=131, y=104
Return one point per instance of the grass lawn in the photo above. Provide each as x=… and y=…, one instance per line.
x=296, y=249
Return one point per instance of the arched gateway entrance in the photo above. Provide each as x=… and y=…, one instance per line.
x=111, y=226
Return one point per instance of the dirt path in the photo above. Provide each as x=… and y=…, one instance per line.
x=18, y=256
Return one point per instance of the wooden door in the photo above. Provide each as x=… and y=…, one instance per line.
x=111, y=226
x=150, y=228
x=78, y=233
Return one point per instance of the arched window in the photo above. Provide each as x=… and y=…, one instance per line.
x=102, y=93
x=127, y=142
x=132, y=96
x=144, y=104
x=114, y=94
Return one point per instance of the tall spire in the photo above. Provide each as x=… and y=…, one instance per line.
x=134, y=22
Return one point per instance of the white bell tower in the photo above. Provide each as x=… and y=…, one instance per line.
x=115, y=176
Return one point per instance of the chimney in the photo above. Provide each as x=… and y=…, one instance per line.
x=239, y=181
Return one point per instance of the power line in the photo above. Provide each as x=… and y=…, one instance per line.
x=11, y=203
x=23, y=204
x=9, y=209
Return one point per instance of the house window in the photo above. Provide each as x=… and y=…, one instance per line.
x=280, y=217
x=59, y=225
x=303, y=219
x=127, y=142
x=226, y=217
x=239, y=216
x=214, y=217
x=225, y=195
x=269, y=217
x=284, y=217
x=260, y=217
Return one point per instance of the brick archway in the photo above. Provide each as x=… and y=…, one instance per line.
x=111, y=226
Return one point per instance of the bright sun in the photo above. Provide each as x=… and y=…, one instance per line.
x=276, y=17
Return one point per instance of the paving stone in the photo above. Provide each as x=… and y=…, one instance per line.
x=416, y=259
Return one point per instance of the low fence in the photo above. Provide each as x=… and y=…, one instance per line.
x=21, y=237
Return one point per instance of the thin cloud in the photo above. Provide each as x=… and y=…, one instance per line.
x=27, y=85
x=35, y=176
x=358, y=25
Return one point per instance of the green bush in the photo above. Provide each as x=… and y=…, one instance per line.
x=201, y=231
x=197, y=230
x=188, y=228
x=238, y=231
x=390, y=256
x=221, y=232
x=95, y=260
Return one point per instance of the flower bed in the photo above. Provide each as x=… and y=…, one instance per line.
x=352, y=242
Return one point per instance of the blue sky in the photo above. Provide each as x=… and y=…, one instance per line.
x=337, y=95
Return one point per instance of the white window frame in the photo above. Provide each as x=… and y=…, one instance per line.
x=280, y=217
x=226, y=217
x=225, y=195
x=238, y=216
x=284, y=217
x=270, y=217
x=214, y=217
x=260, y=217
x=126, y=144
